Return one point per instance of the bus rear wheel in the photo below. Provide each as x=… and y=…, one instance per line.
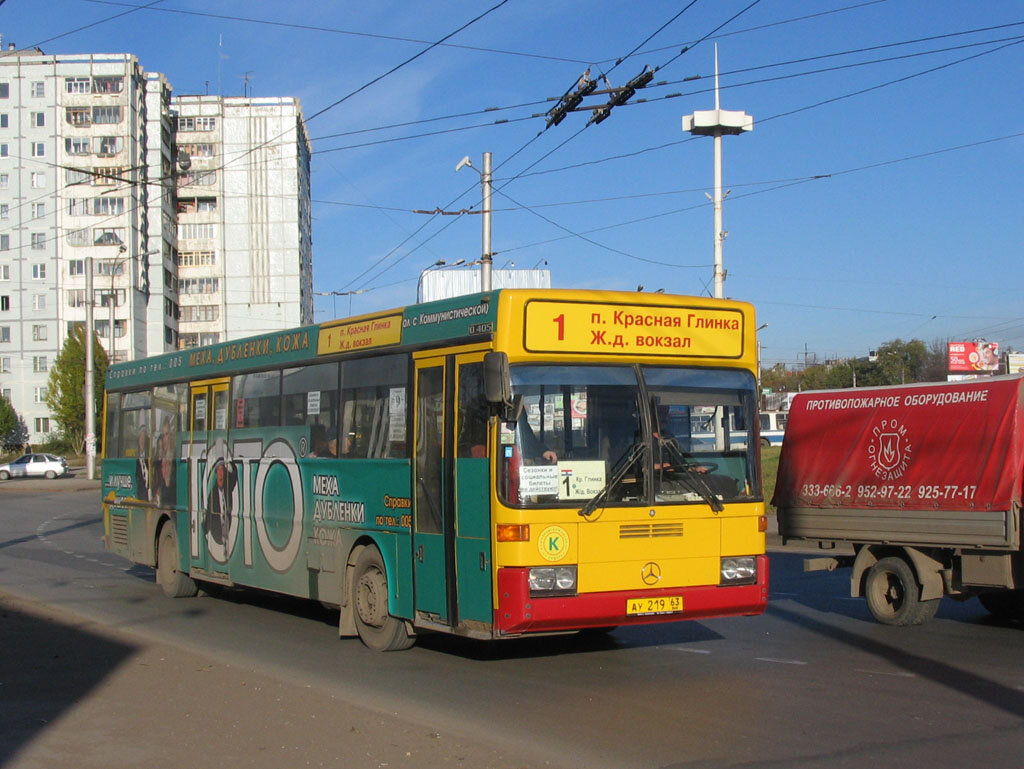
x=172, y=580
x=377, y=629
x=893, y=595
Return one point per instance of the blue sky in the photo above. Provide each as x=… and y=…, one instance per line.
x=912, y=228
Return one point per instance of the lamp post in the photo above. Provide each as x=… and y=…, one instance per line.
x=486, y=257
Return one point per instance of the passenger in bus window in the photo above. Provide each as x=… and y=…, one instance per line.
x=164, y=492
x=142, y=465
x=319, y=441
x=532, y=447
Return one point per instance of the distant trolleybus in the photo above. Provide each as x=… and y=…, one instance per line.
x=497, y=465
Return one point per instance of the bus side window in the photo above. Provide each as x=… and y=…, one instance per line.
x=472, y=412
x=112, y=446
x=373, y=408
x=310, y=397
x=257, y=400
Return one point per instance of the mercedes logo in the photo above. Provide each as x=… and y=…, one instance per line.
x=650, y=573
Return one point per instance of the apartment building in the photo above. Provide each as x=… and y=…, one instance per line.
x=243, y=213
x=102, y=169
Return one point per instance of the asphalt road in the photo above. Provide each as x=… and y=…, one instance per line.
x=254, y=679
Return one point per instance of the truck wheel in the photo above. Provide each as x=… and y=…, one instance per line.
x=172, y=580
x=377, y=629
x=893, y=595
x=1005, y=604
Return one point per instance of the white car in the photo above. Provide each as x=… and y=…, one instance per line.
x=34, y=465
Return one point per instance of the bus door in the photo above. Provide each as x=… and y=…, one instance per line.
x=451, y=500
x=213, y=489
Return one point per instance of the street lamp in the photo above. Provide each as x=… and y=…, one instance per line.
x=485, y=181
x=436, y=265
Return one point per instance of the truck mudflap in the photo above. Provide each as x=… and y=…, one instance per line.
x=519, y=613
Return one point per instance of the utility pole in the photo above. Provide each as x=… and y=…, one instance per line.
x=718, y=123
x=90, y=394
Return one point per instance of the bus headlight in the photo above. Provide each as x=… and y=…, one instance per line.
x=738, y=571
x=552, y=580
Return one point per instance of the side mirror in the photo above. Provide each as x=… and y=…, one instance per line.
x=497, y=380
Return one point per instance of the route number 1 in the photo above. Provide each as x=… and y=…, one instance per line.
x=560, y=322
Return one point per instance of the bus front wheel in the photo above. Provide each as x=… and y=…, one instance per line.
x=377, y=629
x=174, y=582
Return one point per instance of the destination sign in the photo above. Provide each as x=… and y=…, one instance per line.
x=583, y=327
x=360, y=335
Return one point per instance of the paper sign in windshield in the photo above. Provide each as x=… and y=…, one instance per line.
x=537, y=480
x=580, y=480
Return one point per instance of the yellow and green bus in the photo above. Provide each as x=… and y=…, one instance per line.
x=497, y=465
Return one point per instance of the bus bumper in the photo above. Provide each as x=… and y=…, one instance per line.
x=518, y=613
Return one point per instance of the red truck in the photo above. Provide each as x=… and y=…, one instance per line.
x=923, y=481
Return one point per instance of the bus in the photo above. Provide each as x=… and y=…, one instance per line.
x=494, y=466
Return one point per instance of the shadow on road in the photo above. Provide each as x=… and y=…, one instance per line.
x=47, y=668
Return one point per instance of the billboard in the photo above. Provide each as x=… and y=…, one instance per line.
x=973, y=356
x=1015, y=363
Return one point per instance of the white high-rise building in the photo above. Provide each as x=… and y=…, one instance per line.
x=244, y=244
x=99, y=165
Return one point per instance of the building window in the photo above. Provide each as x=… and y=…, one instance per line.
x=5, y=365
x=38, y=119
x=75, y=176
x=4, y=151
x=38, y=89
x=108, y=236
x=6, y=393
x=107, y=146
x=107, y=84
x=196, y=258
x=198, y=285
x=3, y=120
x=107, y=206
x=39, y=364
x=38, y=181
x=5, y=90
x=5, y=303
x=39, y=301
x=198, y=150
x=5, y=272
x=38, y=240
x=4, y=210
x=5, y=242
x=5, y=333
x=5, y=181
x=79, y=237
x=38, y=272
x=76, y=84
x=106, y=115
x=108, y=267
x=39, y=333
x=78, y=145
x=107, y=176
x=200, y=313
x=38, y=149
x=38, y=210
x=198, y=178
x=39, y=395
x=42, y=424
x=76, y=267
x=76, y=297
x=197, y=231
x=197, y=123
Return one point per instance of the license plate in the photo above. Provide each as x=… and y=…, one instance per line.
x=662, y=604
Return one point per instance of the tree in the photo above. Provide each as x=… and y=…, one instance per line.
x=65, y=395
x=13, y=433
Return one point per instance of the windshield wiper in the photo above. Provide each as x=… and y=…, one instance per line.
x=697, y=481
x=633, y=453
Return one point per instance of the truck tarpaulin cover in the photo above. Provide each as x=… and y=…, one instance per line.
x=918, y=447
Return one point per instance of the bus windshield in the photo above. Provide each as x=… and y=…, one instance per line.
x=686, y=435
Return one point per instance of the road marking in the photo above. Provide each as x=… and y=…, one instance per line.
x=780, y=662
x=894, y=673
x=690, y=651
